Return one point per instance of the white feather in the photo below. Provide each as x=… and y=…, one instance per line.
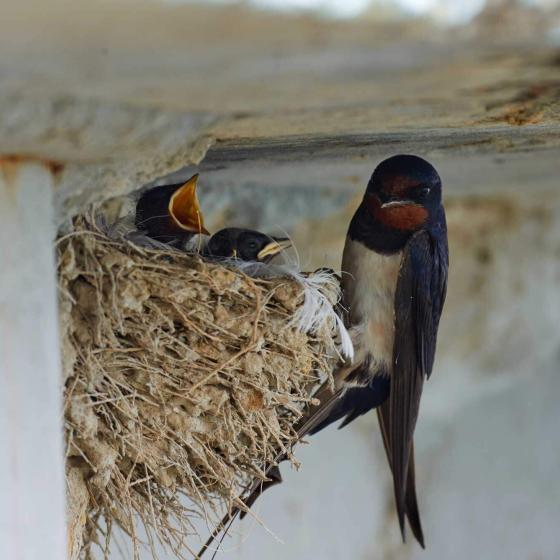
x=321, y=293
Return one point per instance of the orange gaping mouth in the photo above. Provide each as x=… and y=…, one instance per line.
x=184, y=208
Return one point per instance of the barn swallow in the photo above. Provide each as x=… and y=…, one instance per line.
x=245, y=244
x=394, y=282
x=170, y=213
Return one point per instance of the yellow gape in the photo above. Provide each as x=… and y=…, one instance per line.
x=184, y=208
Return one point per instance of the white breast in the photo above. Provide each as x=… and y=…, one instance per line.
x=369, y=283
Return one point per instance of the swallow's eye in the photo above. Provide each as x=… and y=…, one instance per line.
x=422, y=192
x=252, y=245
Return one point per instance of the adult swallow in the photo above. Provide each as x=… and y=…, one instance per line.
x=394, y=265
x=394, y=282
x=170, y=214
x=245, y=244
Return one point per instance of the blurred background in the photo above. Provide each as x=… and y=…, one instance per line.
x=285, y=108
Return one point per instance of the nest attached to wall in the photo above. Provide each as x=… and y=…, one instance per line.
x=182, y=379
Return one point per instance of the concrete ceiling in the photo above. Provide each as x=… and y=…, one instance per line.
x=123, y=93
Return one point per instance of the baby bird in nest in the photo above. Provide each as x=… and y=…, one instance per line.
x=244, y=244
x=171, y=214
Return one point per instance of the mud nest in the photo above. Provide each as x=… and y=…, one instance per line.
x=182, y=379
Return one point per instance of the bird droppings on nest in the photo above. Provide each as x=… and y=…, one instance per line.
x=182, y=379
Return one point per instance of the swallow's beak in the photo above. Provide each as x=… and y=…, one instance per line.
x=277, y=245
x=184, y=208
x=396, y=203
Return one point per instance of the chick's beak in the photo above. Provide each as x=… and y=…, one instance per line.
x=184, y=208
x=277, y=245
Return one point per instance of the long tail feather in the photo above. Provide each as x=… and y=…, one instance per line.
x=313, y=418
x=411, y=502
x=408, y=506
x=274, y=477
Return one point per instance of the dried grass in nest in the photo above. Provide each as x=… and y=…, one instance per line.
x=182, y=379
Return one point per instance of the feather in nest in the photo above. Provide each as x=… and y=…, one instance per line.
x=320, y=288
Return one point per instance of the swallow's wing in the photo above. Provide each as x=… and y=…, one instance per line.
x=419, y=299
x=356, y=401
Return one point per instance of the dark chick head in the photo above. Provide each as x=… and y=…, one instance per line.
x=403, y=192
x=170, y=213
x=245, y=244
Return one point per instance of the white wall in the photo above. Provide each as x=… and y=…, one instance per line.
x=488, y=485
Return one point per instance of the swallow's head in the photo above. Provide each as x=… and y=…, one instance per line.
x=403, y=193
x=246, y=245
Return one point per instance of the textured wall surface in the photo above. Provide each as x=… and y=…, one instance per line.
x=285, y=118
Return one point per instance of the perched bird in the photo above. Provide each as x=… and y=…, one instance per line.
x=244, y=244
x=170, y=214
x=394, y=267
x=394, y=280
